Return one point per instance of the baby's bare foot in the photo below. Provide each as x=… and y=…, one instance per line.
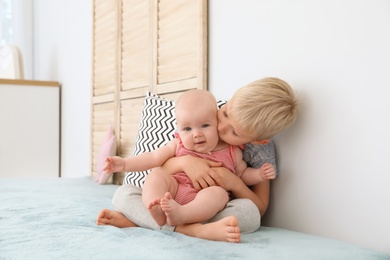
x=157, y=213
x=113, y=218
x=225, y=229
x=173, y=210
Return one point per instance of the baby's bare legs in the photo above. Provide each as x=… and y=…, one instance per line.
x=157, y=183
x=205, y=205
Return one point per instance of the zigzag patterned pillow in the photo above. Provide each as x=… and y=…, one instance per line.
x=157, y=127
x=221, y=103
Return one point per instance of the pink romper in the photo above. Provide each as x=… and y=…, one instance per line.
x=186, y=191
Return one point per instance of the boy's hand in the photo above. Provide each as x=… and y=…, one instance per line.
x=198, y=170
x=114, y=164
x=268, y=171
x=225, y=178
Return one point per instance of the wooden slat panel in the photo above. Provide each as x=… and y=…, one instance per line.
x=178, y=40
x=105, y=51
x=136, y=44
x=176, y=86
x=103, y=98
x=134, y=93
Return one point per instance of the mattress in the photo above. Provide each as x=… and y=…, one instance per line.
x=55, y=219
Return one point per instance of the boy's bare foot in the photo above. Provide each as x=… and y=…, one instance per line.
x=113, y=218
x=172, y=210
x=157, y=213
x=225, y=229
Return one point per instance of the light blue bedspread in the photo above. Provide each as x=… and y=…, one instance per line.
x=55, y=219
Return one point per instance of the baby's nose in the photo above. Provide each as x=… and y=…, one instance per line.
x=197, y=134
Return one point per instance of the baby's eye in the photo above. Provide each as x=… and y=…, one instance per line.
x=205, y=125
x=187, y=129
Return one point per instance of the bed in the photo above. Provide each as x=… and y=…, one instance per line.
x=54, y=218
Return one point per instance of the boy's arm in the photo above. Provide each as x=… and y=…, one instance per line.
x=261, y=191
x=197, y=169
x=258, y=194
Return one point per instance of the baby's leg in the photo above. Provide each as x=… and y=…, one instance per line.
x=156, y=185
x=206, y=204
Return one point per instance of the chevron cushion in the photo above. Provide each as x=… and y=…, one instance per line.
x=221, y=103
x=157, y=127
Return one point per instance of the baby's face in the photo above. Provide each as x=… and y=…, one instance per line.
x=197, y=128
x=229, y=131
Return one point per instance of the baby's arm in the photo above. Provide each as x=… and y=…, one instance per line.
x=251, y=176
x=143, y=161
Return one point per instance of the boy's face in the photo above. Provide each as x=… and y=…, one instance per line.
x=228, y=129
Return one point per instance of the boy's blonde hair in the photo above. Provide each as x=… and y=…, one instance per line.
x=264, y=107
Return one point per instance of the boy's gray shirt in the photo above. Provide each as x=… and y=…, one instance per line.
x=255, y=155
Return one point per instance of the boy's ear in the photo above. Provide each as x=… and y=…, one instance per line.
x=266, y=141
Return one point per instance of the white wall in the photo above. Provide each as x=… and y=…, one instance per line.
x=334, y=171
x=62, y=52
x=22, y=33
x=334, y=162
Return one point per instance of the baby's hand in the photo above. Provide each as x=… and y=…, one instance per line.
x=268, y=171
x=114, y=164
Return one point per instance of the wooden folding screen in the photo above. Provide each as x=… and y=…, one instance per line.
x=139, y=46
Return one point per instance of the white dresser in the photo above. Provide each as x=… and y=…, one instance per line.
x=29, y=128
